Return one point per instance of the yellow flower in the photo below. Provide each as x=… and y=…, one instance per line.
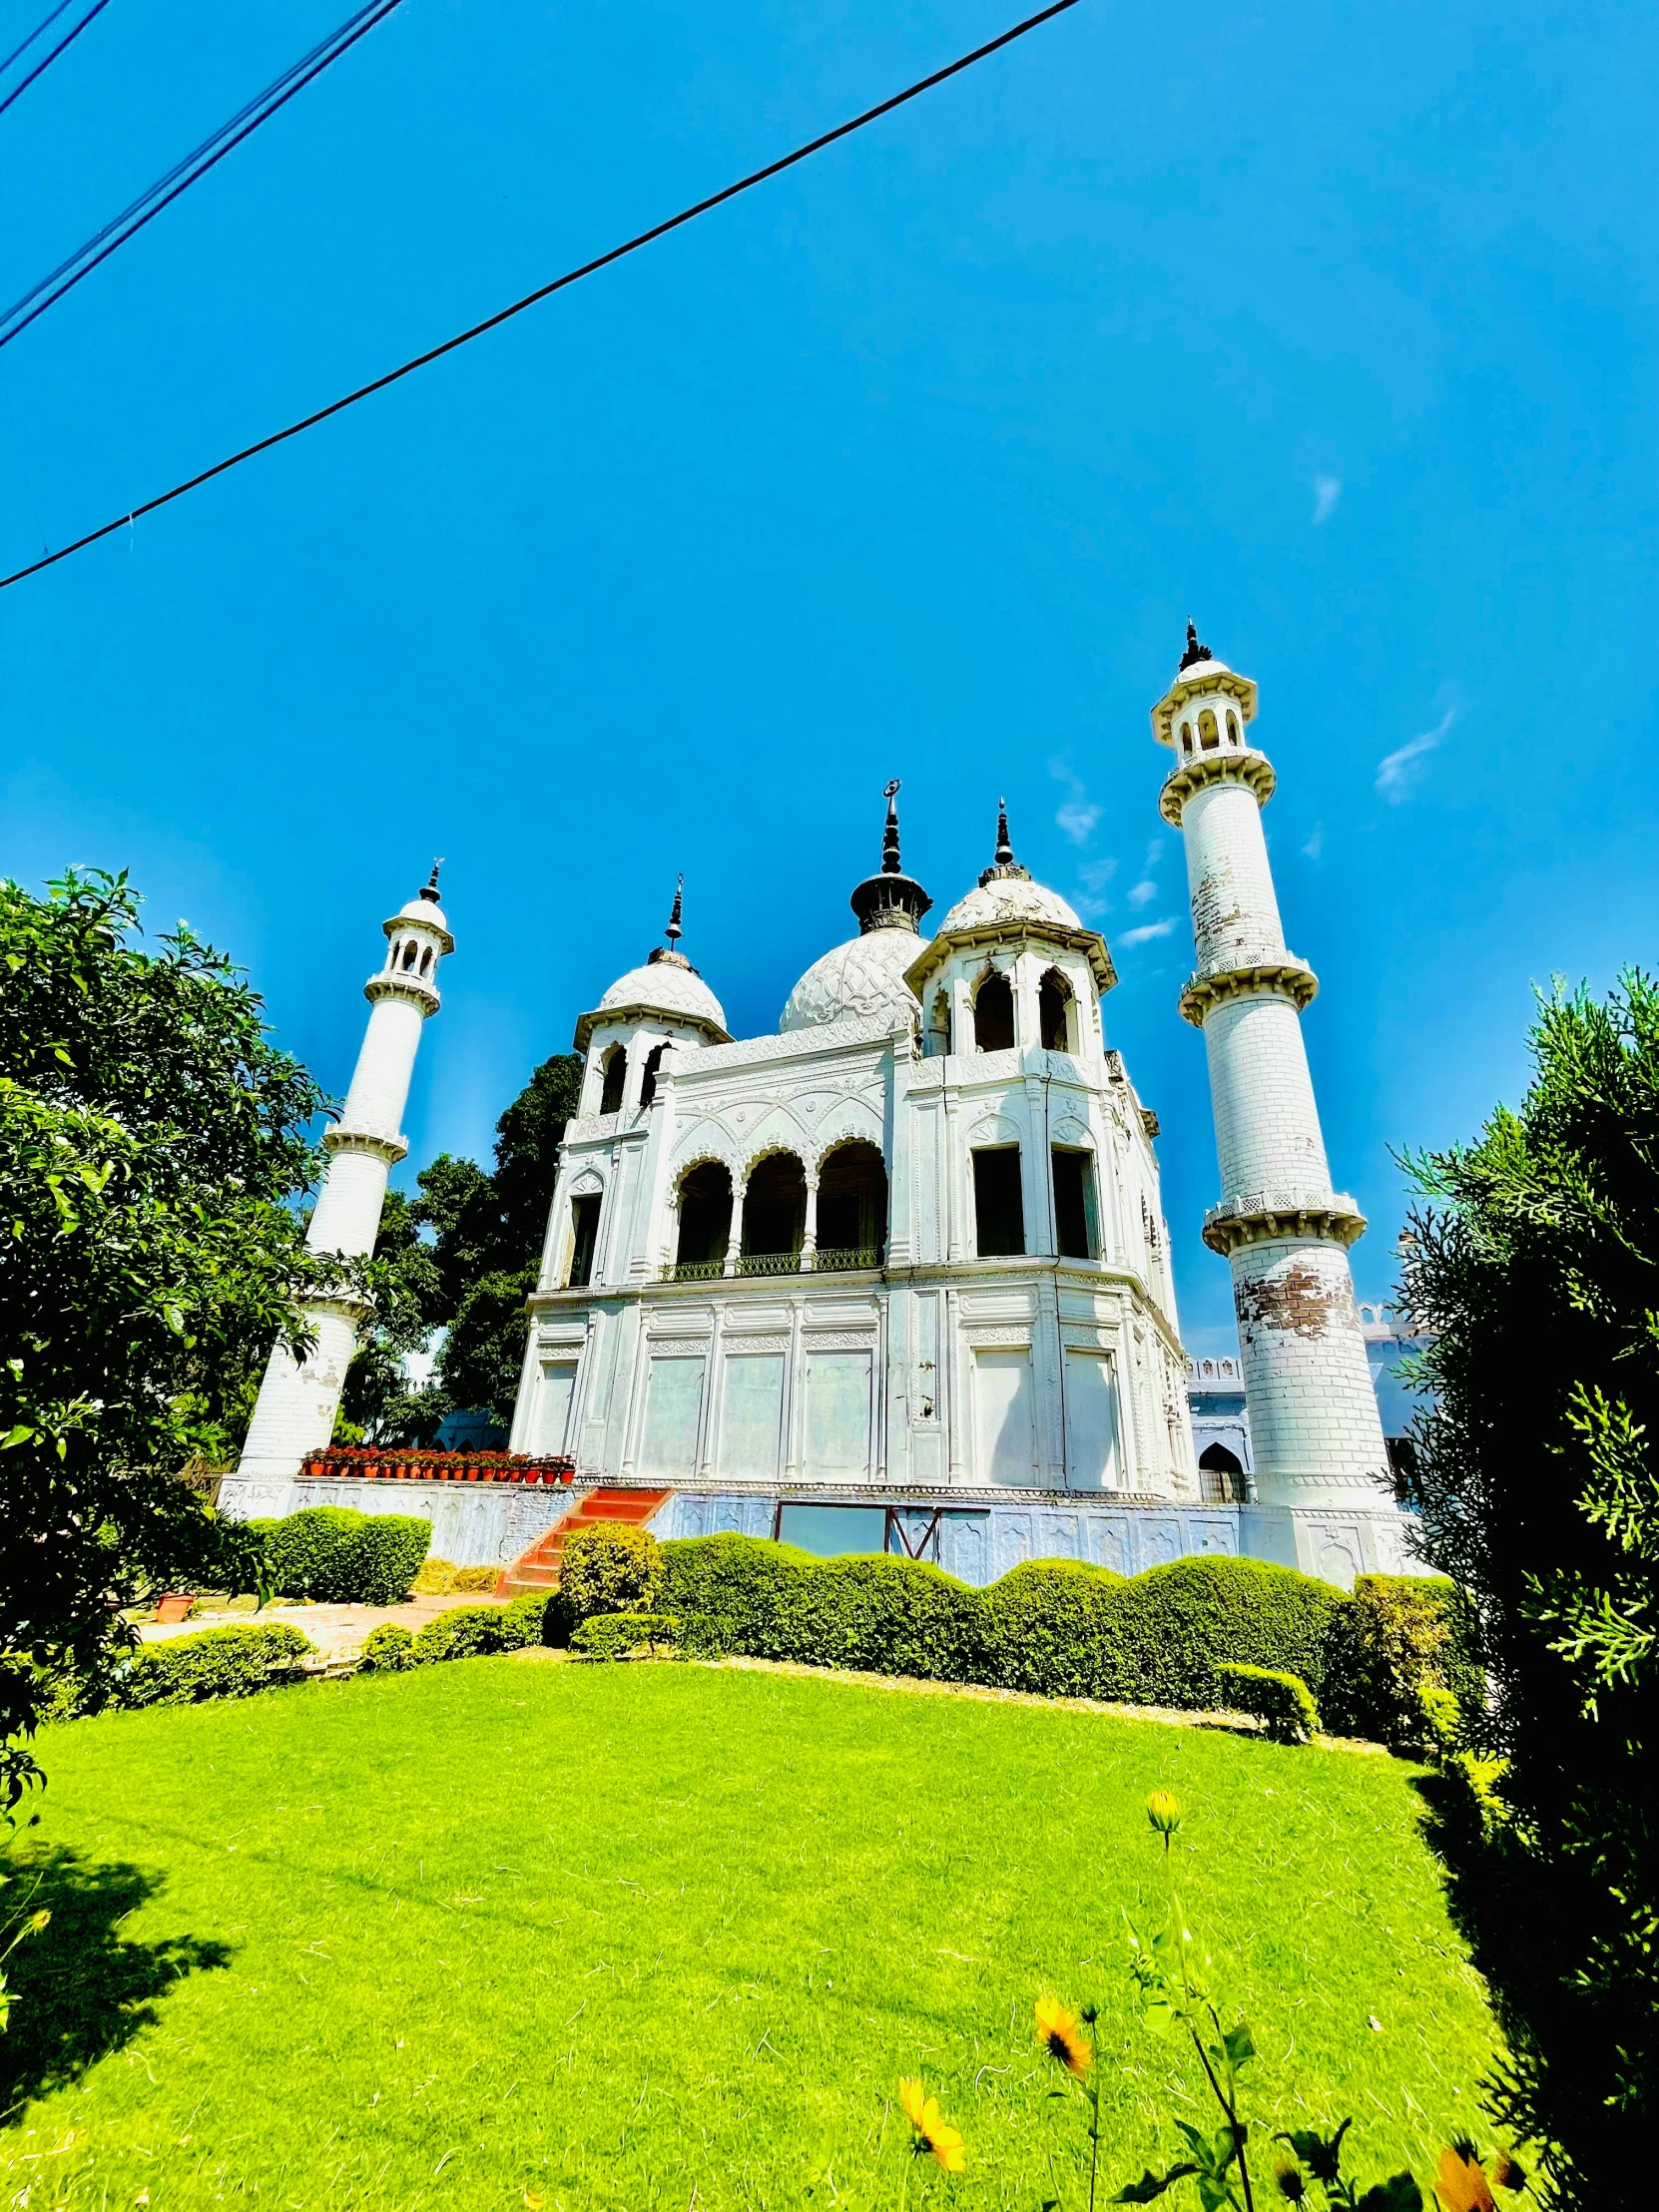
x=1059, y=2035
x=934, y=2132
x=1163, y=1809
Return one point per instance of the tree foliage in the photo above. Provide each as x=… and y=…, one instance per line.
x=1535, y=1261
x=489, y=1232
x=151, y=1143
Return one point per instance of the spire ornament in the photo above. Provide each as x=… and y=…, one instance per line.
x=429, y=890
x=1195, y=651
x=1003, y=865
x=670, y=955
x=890, y=899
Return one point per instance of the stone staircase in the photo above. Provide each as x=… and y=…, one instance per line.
x=538, y=1568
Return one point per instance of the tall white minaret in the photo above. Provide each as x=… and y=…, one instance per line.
x=299, y=1399
x=1323, y=1501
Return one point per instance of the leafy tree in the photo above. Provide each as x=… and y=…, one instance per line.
x=403, y=1279
x=152, y=1145
x=489, y=1231
x=1537, y=1262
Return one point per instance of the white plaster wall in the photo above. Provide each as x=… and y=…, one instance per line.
x=349, y=1207
x=297, y=1404
x=1235, y=907
x=1313, y=1421
x=1267, y=1124
x=381, y=1081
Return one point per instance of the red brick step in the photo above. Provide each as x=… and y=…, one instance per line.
x=538, y=1568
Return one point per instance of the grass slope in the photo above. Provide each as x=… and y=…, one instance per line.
x=504, y=1932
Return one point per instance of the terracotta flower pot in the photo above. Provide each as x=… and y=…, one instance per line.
x=174, y=1606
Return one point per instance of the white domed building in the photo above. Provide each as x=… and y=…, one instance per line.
x=894, y=1277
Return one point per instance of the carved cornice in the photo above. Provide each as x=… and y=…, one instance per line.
x=390, y=1149
x=1263, y=1216
x=355, y=1309
x=1228, y=766
x=1285, y=978
x=399, y=986
x=1016, y=930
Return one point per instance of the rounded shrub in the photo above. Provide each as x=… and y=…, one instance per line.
x=387, y=1649
x=1399, y=1636
x=336, y=1556
x=730, y=1593
x=526, y=1620
x=1177, y=1623
x=1052, y=1630
x=469, y=1632
x=216, y=1662
x=616, y=1635
x=609, y=1567
x=1281, y=1702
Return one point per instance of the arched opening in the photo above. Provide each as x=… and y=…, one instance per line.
x=1055, y=1012
x=937, y=1042
x=774, y=1215
x=994, y=1014
x=392, y=950
x=615, y=1065
x=1221, y=1475
x=704, y=1221
x=409, y=955
x=1232, y=726
x=1207, y=736
x=648, y=1081
x=427, y=961
x=851, y=1208
x=1186, y=736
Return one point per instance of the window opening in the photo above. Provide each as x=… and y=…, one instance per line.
x=939, y=1027
x=851, y=1208
x=1232, y=727
x=615, y=1065
x=1074, y=1206
x=584, y=1222
x=1207, y=738
x=1186, y=736
x=1221, y=1475
x=705, y=1222
x=647, y=1081
x=409, y=954
x=1054, y=1012
x=994, y=1014
x=998, y=1204
x=427, y=961
x=774, y=1215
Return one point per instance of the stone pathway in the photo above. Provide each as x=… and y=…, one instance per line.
x=338, y=1631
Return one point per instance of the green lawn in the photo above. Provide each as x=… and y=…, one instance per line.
x=506, y=1931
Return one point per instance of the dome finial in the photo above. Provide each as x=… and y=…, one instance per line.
x=1005, y=863
x=1195, y=651
x=674, y=933
x=429, y=890
x=889, y=837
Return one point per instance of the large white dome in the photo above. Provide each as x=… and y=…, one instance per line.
x=863, y=976
x=1008, y=898
x=667, y=987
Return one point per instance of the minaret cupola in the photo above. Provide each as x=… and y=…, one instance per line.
x=890, y=899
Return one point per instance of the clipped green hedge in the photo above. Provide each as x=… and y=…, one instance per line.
x=1281, y=1702
x=614, y=1635
x=1402, y=1636
x=340, y=1557
x=216, y=1662
x=1058, y=1627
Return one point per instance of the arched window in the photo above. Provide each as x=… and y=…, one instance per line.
x=427, y=961
x=647, y=1081
x=1232, y=726
x=1207, y=738
x=1221, y=1475
x=392, y=950
x=1054, y=1014
x=994, y=1014
x=1186, y=736
x=774, y=1215
x=409, y=952
x=851, y=1208
x=615, y=1065
x=939, y=1027
x=704, y=1221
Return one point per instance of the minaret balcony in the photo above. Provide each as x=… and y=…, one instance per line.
x=1261, y=1217
x=1285, y=975
x=404, y=983
x=1227, y=764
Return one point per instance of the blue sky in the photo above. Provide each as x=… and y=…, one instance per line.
x=1332, y=328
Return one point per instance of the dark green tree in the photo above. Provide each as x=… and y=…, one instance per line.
x=403, y=1279
x=152, y=1147
x=488, y=1236
x=1535, y=1261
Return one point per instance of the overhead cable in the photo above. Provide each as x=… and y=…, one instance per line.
x=68, y=39
x=545, y=292
x=17, y=317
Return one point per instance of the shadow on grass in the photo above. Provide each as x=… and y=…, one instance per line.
x=80, y=1989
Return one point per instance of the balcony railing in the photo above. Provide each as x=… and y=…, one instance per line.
x=835, y=1258
x=770, y=1263
x=694, y=1270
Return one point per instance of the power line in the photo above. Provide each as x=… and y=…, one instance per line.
x=68, y=39
x=545, y=292
x=33, y=35
x=213, y=150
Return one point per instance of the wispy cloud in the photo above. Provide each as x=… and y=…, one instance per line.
x=1397, y=772
x=1315, y=843
x=1326, y=491
x=1138, y=894
x=1095, y=876
x=1078, y=814
x=1148, y=930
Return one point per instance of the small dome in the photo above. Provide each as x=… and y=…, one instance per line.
x=863, y=976
x=423, y=909
x=667, y=985
x=1008, y=898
